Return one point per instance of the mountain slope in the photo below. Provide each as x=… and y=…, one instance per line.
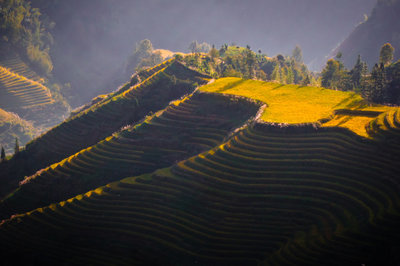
x=11, y=127
x=234, y=205
x=183, y=129
x=368, y=37
x=127, y=106
x=23, y=92
x=287, y=188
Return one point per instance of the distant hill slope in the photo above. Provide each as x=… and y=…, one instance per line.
x=382, y=26
x=185, y=128
x=281, y=196
x=11, y=127
x=22, y=92
x=294, y=185
x=125, y=107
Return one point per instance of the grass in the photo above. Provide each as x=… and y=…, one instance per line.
x=268, y=194
x=237, y=204
x=185, y=128
x=12, y=126
x=294, y=104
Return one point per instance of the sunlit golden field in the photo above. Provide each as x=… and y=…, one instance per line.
x=294, y=104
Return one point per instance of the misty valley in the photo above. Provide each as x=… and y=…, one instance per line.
x=199, y=132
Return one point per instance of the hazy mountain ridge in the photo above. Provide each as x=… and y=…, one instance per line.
x=382, y=26
x=92, y=41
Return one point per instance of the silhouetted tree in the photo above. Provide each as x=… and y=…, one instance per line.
x=358, y=72
x=330, y=74
x=142, y=50
x=386, y=54
x=16, y=148
x=297, y=54
x=280, y=58
x=306, y=81
x=3, y=154
x=377, y=86
x=213, y=53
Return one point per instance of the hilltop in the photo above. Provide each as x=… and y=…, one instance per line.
x=381, y=27
x=296, y=104
x=11, y=127
x=25, y=93
x=170, y=170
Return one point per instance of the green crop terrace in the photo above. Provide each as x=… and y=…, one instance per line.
x=86, y=128
x=185, y=128
x=294, y=104
x=312, y=179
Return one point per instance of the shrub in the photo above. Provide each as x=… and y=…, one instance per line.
x=40, y=59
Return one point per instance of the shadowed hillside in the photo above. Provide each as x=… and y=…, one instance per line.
x=311, y=179
x=127, y=106
x=367, y=38
x=234, y=205
x=11, y=127
x=22, y=92
x=183, y=129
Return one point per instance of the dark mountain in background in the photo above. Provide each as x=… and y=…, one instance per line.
x=94, y=38
x=366, y=40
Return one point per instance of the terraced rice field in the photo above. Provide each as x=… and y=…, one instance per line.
x=18, y=92
x=101, y=120
x=185, y=128
x=294, y=104
x=15, y=64
x=233, y=205
x=319, y=186
x=11, y=126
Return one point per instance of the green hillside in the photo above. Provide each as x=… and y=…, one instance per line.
x=185, y=128
x=127, y=106
x=294, y=104
x=380, y=27
x=311, y=179
x=11, y=127
x=237, y=204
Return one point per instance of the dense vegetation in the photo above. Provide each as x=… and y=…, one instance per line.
x=260, y=166
x=185, y=128
x=27, y=87
x=22, y=28
x=127, y=106
x=380, y=27
x=235, y=61
x=381, y=85
x=12, y=127
x=286, y=195
x=288, y=185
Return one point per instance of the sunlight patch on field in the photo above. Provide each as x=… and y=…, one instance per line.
x=294, y=104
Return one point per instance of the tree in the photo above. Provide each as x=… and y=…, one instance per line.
x=153, y=60
x=142, y=50
x=3, y=154
x=297, y=54
x=306, y=81
x=357, y=73
x=280, y=58
x=204, y=47
x=376, y=88
x=193, y=47
x=213, y=53
x=250, y=62
x=386, y=54
x=16, y=148
x=330, y=74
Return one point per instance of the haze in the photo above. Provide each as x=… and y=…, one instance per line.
x=94, y=38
